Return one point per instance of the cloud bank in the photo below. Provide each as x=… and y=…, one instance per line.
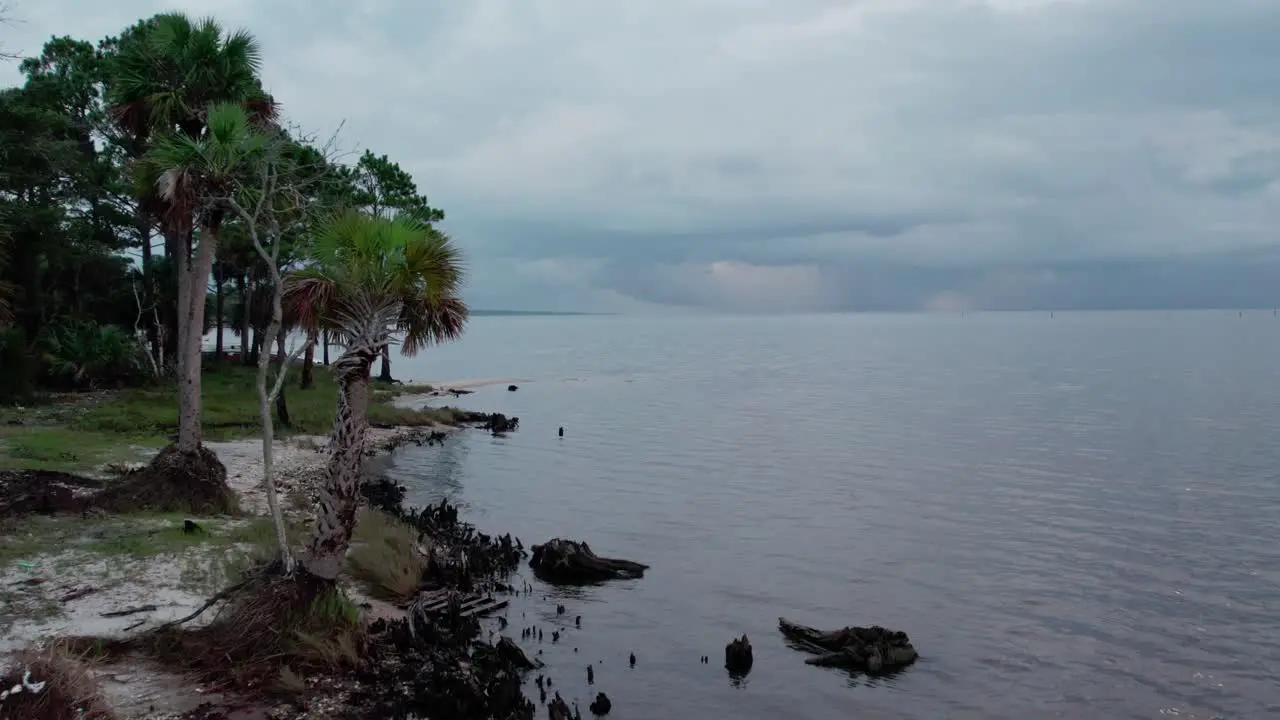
x=811, y=155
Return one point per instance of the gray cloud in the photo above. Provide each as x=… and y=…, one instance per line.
x=806, y=155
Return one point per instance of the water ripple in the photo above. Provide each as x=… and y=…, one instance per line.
x=1072, y=519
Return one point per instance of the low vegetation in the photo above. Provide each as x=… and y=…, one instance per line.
x=137, y=536
x=52, y=683
x=24, y=447
x=86, y=431
x=384, y=556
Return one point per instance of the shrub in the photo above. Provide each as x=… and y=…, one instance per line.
x=55, y=685
x=84, y=355
x=385, y=557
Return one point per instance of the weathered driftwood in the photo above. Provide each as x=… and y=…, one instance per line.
x=569, y=561
x=872, y=650
x=738, y=657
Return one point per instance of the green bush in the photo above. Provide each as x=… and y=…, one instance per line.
x=83, y=355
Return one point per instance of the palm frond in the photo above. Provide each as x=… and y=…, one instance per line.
x=361, y=262
x=431, y=321
x=308, y=294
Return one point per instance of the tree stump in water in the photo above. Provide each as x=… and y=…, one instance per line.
x=570, y=562
x=558, y=709
x=737, y=656
x=512, y=655
x=872, y=650
x=601, y=705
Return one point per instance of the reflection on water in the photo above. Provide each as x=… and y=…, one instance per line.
x=1070, y=519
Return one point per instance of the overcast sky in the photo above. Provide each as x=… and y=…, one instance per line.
x=800, y=155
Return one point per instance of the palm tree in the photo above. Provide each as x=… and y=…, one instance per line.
x=174, y=68
x=166, y=74
x=192, y=177
x=370, y=278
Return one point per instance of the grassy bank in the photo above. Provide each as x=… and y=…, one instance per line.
x=88, y=430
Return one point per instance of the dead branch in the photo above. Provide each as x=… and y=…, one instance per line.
x=224, y=594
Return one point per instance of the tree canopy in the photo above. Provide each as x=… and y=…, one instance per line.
x=101, y=144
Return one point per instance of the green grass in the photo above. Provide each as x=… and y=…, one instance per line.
x=136, y=536
x=229, y=406
x=83, y=432
x=59, y=448
x=384, y=556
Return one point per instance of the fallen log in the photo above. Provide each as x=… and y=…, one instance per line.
x=571, y=562
x=873, y=650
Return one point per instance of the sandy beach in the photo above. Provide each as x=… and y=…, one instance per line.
x=42, y=598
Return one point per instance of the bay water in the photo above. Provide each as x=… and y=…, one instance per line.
x=1072, y=517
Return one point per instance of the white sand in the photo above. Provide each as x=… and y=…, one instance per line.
x=173, y=583
x=444, y=387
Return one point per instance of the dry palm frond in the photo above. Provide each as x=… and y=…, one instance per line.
x=51, y=683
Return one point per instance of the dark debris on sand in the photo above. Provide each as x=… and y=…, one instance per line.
x=436, y=666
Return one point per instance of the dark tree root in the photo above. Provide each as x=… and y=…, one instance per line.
x=873, y=650
x=458, y=556
x=432, y=667
x=570, y=562
x=264, y=622
x=174, y=481
x=44, y=492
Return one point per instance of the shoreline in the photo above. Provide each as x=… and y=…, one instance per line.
x=120, y=571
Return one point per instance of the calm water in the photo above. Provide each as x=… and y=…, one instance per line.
x=1072, y=518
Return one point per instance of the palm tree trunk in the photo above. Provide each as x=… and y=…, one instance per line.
x=243, y=291
x=217, y=311
x=385, y=374
x=173, y=323
x=193, y=286
x=255, y=351
x=325, y=337
x=308, y=363
x=336, y=515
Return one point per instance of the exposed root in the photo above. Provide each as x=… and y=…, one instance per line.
x=265, y=623
x=44, y=492
x=457, y=555
x=53, y=684
x=273, y=620
x=421, y=667
x=174, y=481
